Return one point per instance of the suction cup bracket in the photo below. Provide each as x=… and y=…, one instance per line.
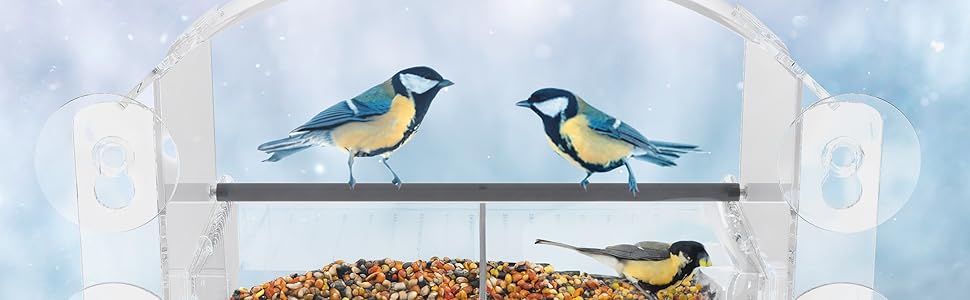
x=856, y=163
x=120, y=127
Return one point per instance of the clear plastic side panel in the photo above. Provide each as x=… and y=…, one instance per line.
x=346, y=250
x=771, y=99
x=195, y=266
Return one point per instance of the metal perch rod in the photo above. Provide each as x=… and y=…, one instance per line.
x=476, y=192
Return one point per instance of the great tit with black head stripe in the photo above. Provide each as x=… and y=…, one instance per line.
x=593, y=140
x=376, y=122
x=649, y=265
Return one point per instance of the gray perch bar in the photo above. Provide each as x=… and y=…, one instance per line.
x=474, y=192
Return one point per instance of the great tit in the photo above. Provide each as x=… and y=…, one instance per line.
x=376, y=122
x=650, y=266
x=593, y=140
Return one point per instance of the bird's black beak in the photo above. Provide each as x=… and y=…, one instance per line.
x=445, y=83
x=523, y=103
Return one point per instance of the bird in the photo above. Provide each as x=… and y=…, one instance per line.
x=650, y=264
x=595, y=141
x=377, y=122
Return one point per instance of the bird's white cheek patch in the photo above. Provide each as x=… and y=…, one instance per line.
x=417, y=84
x=683, y=259
x=552, y=107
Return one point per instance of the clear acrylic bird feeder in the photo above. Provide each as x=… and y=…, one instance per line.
x=146, y=182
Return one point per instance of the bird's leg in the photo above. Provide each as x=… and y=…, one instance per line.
x=397, y=180
x=585, y=181
x=632, y=180
x=636, y=283
x=350, y=165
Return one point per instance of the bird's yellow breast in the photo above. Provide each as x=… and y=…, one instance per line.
x=660, y=272
x=378, y=132
x=563, y=154
x=591, y=146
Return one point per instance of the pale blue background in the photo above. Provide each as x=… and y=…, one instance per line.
x=913, y=53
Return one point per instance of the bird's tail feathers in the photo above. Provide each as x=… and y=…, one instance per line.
x=284, y=147
x=281, y=144
x=675, y=146
x=557, y=244
x=657, y=159
x=671, y=153
x=600, y=255
x=278, y=155
x=664, y=153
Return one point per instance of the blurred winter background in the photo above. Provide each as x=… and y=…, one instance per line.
x=662, y=68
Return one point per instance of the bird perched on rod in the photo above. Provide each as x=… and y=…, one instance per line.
x=650, y=266
x=593, y=140
x=376, y=122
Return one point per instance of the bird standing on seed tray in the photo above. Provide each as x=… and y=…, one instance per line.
x=593, y=140
x=376, y=122
x=650, y=266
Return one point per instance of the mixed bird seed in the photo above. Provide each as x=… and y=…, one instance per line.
x=447, y=279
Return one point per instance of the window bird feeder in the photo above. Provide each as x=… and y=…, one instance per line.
x=144, y=172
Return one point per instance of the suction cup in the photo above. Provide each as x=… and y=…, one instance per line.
x=849, y=163
x=106, y=163
x=841, y=291
x=114, y=290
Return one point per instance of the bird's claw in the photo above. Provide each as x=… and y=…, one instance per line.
x=585, y=182
x=632, y=180
x=397, y=182
x=352, y=183
x=648, y=295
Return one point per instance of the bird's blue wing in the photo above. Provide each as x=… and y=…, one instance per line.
x=658, y=152
x=632, y=136
x=605, y=124
x=375, y=101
